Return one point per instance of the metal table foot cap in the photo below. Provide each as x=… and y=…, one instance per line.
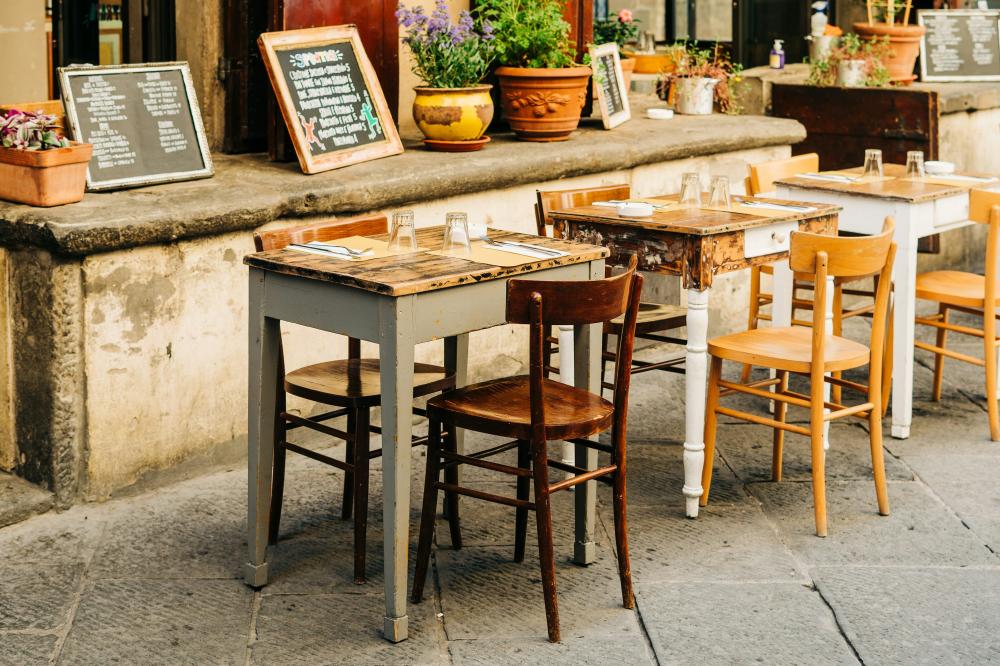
x=255, y=575
x=395, y=629
x=584, y=552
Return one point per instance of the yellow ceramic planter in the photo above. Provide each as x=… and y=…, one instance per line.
x=453, y=114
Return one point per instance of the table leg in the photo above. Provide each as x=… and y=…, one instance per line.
x=586, y=375
x=781, y=285
x=904, y=310
x=396, y=348
x=263, y=382
x=456, y=360
x=696, y=363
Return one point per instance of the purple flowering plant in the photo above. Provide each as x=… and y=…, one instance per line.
x=24, y=130
x=446, y=55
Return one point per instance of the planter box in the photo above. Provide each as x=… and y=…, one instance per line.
x=44, y=177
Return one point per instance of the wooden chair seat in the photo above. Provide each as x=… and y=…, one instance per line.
x=357, y=381
x=654, y=317
x=503, y=407
x=953, y=287
x=788, y=349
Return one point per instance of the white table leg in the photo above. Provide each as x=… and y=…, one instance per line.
x=566, y=377
x=905, y=278
x=696, y=364
x=783, y=290
x=263, y=384
x=396, y=347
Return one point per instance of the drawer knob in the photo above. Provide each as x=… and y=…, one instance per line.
x=779, y=236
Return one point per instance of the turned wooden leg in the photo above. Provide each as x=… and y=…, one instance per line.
x=878, y=461
x=352, y=434
x=816, y=430
x=546, y=555
x=428, y=512
x=523, y=493
x=620, y=501
x=942, y=339
x=451, y=499
x=711, y=425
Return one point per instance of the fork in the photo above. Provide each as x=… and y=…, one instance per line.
x=350, y=250
x=533, y=248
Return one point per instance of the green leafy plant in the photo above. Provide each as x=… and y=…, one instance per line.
x=823, y=72
x=621, y=29
x=446, y=55
x=528, y=33
x=714, y=63
x=24, y=130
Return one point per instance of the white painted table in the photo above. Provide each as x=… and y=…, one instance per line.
x=695, y=244
x=919, y=209
x=396, y=302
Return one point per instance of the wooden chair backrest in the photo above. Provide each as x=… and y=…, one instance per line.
x=365, y=225
x=847, y=256
x=984, y=207
x=551, y=200
x=763, y=175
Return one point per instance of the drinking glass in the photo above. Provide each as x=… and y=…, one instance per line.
x=456, y=234
x=403, y=237
x=719, y=197
x=915, y=164
x=691, y=190
x=873, y=163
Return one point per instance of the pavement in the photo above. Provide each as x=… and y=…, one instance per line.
x=156, y=578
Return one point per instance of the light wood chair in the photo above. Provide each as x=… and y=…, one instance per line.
x=968, y=292
x=351, y=385
x=813, y=353
x=533, y=410
x=654, y=318
x=761, y=180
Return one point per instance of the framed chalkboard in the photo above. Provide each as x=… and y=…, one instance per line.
x=612, y=95
x=960, y=45
x=329, y=96
x=143, y=120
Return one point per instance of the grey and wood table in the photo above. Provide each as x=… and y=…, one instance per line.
x=695, y=244
x=395, y=302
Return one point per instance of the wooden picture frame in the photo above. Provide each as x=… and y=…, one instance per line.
x=272, y=44
x=922, y=14
x=612, y=99
x=75, y=126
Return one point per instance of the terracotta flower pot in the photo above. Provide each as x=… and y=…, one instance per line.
x=652, y=63
x=904, y=47
x=628, y=66
x=543, y=104
x=453, y=114
x=44, y=177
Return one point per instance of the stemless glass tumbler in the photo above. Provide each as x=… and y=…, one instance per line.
x=719, y=197
x=456, y=234
x=873, y=163
x=403, y=236
x=691, y=190
x=915, y=164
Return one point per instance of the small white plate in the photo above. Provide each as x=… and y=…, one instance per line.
x=635, y=209
x=938, y=168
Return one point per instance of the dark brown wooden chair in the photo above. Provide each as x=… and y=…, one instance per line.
x=533, y=410
x=654, y=318
x=352, y=385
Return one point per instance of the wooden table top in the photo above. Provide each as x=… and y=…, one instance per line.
x=407, y=274
x=898, y=189
x=695, y=221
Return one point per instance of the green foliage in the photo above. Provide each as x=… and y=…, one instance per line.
x=714, y=63
x=823, y=72
x=528, y=33
x=621, y=29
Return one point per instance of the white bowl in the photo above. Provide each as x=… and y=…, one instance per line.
x=937, y=167
x=635, y=209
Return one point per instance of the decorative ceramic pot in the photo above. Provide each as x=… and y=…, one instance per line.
x=45, y=177
x=851, y=73
x=904, y=47
x=543, y=104
x=652, y=63
x=695, y=96
x=453, y=114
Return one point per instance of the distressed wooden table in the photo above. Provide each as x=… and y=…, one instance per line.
x=695, y=244
x=920, y=209
x=396, y=302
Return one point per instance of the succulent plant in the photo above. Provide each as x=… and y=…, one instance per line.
x=24, y=130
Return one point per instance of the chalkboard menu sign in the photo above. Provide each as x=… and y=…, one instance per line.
x=960, y=45
x=143, y=120
x=329, y=96
x=612, y=94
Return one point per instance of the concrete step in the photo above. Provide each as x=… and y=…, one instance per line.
x=20, y=500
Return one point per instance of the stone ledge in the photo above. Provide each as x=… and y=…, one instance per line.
x=249, y=191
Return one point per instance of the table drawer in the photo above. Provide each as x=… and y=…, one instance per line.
x=771, y=239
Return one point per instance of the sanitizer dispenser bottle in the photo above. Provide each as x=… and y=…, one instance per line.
x=777, y=60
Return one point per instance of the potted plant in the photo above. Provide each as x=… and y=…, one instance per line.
x=884, y=21
x=703, y=78
x=542, y=90
x=621, y=30
x=852, y=64
x=453, y=108
x=39, y=166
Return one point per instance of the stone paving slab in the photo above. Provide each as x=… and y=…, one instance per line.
x=342, y=629
x=741, y=623
x=920, y=531
x=485, y=594
x=36, y=596
x=571, y=652
x=57, y=538
x=26, y=649
x=160, y=622
x=917, y=616
x=656, y=476
x=19, y=500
